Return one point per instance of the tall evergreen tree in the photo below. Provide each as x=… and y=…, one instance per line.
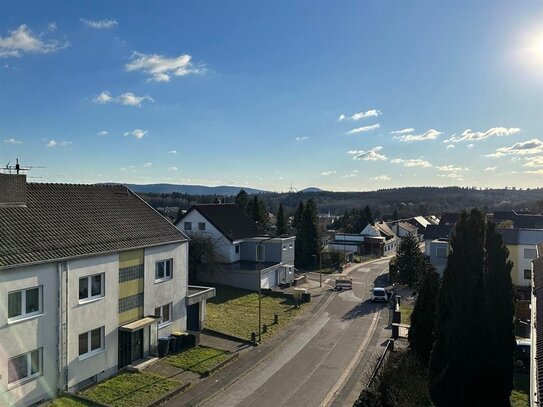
x=421, y=332
x=307, y=236
x=368, y=217
x=455, y=361
x=242, y=199
x=298, y=215
x=281, y=222
x=257, y=211
x=410, y=261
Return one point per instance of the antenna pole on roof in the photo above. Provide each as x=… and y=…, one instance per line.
x=17, y=167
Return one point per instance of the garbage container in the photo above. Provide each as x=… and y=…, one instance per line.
x=190, y=341
x=306, y=297
x=163, y=345
x=172, y=346
x=179, y=338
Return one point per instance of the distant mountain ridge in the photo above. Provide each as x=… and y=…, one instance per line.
x=225, y=190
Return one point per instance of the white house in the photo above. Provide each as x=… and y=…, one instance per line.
x=90, y=277
x=243, y=252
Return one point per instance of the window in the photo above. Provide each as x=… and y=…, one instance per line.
x=25, y=303
x=165, y=314
x=91, y=287
x=237, y=249
x=201, y=226
x=290, y=246
x=25, y=367
x=187, y=226
x=91, y=342
x=530, y=254
x=528, y=274
x=285, y=247
x=163, y=269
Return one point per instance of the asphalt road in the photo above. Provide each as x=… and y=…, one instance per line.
x=324, y=362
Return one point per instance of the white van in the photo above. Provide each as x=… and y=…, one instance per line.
x=344, y=283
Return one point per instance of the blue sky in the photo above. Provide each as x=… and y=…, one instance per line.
x=340, y=95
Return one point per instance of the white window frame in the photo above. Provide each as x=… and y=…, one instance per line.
x=201, y=226
x=185, y=225
x=91, y=297
x=24, y=314
x=30, y=376
x=165, y=277
x=91, y=352
x=160, y=314
x=532, y=250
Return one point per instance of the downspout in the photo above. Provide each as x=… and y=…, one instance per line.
x=62, y=267
x=66, y=327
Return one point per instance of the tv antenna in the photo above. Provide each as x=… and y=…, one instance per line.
x=18, y=168
x=291, y=189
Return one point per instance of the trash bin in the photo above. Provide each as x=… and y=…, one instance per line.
x=306, y=297
x=179, y=338
x=163, y=345
x=172, y=345
x=190, y=341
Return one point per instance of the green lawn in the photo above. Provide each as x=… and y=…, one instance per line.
x=131, y=389
x=199, y=359
x=519, y=396
x=235, y=311
x=406, y=310
x=67, y=401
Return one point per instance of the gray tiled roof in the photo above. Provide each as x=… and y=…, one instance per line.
x=65, y=221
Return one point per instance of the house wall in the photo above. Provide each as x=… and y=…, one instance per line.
x=247, y=279
x=279, y=251
x=84, y=316
x=370, y=230
x=525, y=263
x=170, y=291
x=27, y=335
x=225, y=248
x=438, y=261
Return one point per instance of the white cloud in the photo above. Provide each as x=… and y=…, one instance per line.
x=469, y=135
x=351, y=175
x=23, y=41
x=536, y=162
x=490, y=169
x=412, y=162
x=104, y=97
x=328, y=172
x=172, y=169
x=382, y=178
x=364, y=129
x=453, y=175
x=54, y=143
x=52, y=26
x=450, y=146
x=127, y=99
x=304, y=138
x=12, y=141
x=403, y=131
x=172, y=152
x=429, y=135
x=370, y=155
x=341, y=117
x=147, y=164
x=99, y=24
x=360, y=115
x=102, y=133
x=537, y=172
x=529, y=147
x=138, y=133
x=451, y=168
x=160, y=68
x=470, y=145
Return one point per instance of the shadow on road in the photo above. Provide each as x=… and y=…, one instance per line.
x=365, y=308
x=382, y=281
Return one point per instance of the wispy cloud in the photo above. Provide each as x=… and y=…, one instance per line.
x=403, y=131
x=99, y=24
x=529, y=147
x=429, y=135
x=450, y=146
x=304, y=138
x=326, y=173
x=147, y=164
x=491, y=169
x=451, y=168
x=370, y=155
x=360, y=115
x=534, y=161
x=23, y=41
x=172, y=152
x=137, y=133
x=364, y=129
x=12, y=141
x=161, y=68
x=417, y=162
x=173, y=169
x=469, y=135
x=54, y=143
x=382, y=178
x=127, y=99
x=536, y=172
x=102, y=133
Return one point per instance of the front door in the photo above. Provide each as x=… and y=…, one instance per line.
x=137, y=345
x=130, y=347
x=193, y=317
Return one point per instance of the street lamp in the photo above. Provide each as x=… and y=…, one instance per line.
x=260, y=286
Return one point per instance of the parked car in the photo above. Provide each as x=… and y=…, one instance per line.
x=522, y=354
x=379, y=294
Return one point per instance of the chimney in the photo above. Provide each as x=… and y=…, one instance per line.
x=12, y=190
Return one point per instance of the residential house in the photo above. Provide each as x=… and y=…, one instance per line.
x=90, y=277
x=420, y=223
x=432, y=219
x=243, y=253
x=436, y=232
x=375, y=239
x=449, y=219
x=437, y=245
x=536, y=336
x=403, y=229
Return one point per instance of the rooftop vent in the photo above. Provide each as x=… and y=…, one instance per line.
x=12, y=190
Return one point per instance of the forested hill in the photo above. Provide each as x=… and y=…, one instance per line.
x=408, y=201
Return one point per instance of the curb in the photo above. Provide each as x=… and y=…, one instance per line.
x=171, y=394
x=220, y=365
x=228, y=336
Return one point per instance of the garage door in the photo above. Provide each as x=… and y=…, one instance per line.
x=269, y=280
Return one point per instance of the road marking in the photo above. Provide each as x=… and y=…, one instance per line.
x=347, y=372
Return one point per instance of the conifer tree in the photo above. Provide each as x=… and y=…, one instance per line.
x=298, y=215
x=368, y=217
x=281, y=222
x=242, y=199
x=410, y=261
